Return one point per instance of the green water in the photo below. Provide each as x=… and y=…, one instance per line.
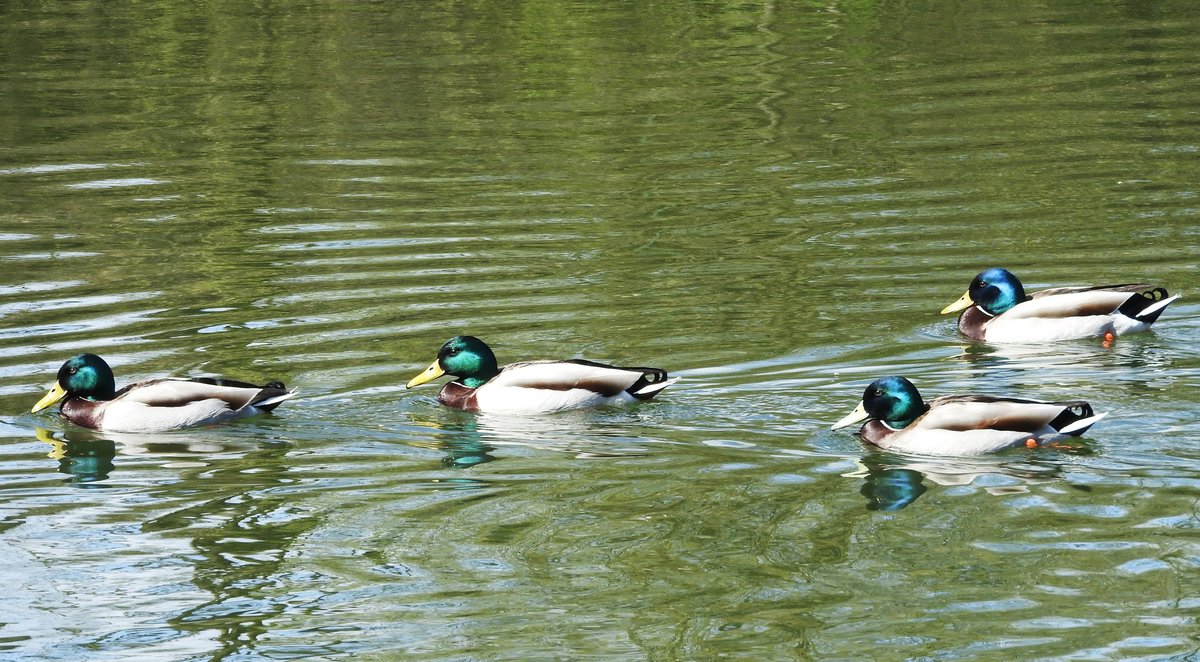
x=771, y=200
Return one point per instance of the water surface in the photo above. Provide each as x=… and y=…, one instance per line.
x=771, y=200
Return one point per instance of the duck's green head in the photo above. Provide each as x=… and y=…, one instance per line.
x=466, y=357
x=995, y=291
x=84, y=376
x=893, y=400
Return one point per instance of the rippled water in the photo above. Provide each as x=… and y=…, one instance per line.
x=772, y=201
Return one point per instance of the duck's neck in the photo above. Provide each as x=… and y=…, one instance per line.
x=916, y=412
x=1006, y=297
x=476, y=380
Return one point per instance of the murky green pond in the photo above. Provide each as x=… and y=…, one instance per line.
x=772, y=200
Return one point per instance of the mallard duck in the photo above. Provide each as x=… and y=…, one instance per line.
x=86, y=387
x=899, y=420
x=997, y=310
x=533, y=386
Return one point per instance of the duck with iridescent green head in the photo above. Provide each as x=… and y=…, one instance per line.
x=90, y=399
x=996, y=309
x=534, y=386
x=898, y=419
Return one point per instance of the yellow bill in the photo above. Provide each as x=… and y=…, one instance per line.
x=57, y=393
x=431, y=373
x=963, y=303
x=859, y=414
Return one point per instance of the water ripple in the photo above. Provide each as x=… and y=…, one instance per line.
x=117, y=183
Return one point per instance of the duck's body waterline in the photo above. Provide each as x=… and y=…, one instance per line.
x=996, y=309
x=898, y=419
x=534, y=386
x=86, y=388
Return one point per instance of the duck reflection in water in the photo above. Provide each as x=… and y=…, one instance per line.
x=891, y=488
x=985, y=359
x=470, y=439
x=892, y=482
x=89, y=455
x=86, y=461
x=459, y=440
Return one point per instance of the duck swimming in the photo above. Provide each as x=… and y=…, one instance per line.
x=898, y=419
x=996, y=309
x=87, y=390
x=533, y=386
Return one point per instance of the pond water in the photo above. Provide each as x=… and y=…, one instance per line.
x=771, y=200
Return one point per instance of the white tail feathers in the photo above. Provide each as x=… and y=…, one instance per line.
x=651, y=389
x=274, y=400
x=1151, y=310
x=1082, y=424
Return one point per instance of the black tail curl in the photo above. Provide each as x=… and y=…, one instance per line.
x=1072, y=411
x=649, y=376
x=1135, y=304
x=271, y=389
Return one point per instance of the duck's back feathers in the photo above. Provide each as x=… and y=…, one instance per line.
x=1060, y=313
x=1123, y=287
x=976, y=424
x=606, y=380
x=159, y=405
x=86, y=389
x=1072, y=302
x=173, y=392
x=1067, y=313
x=969, y=412
x=554, y=385
x=533, y=386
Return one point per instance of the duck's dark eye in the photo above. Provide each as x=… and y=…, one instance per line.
x=877, y=392
x=71, y=371
x=452, y=352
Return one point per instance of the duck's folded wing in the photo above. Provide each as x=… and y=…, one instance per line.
x=183, y=392
x=606, y=380
x=1072, y=302
x=982, y=412
x=1128, y=288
